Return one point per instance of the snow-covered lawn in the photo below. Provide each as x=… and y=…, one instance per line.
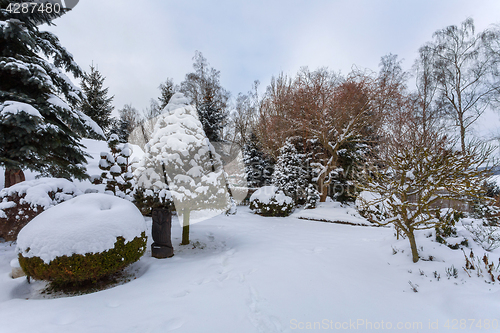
x=253, y=274
x=333, y=211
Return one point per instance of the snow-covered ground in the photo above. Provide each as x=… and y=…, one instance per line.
x=249, y=273
x=332, y=211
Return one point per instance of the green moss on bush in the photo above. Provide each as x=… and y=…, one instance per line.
x=78, y=268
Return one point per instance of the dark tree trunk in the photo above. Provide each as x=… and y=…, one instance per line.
x=161, y=232
x=13, y=176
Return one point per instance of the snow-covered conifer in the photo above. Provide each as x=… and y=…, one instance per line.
x=116, y=167
x=180, y=155
x=289, y=174
x=39, y=127
x=258, y=167
x=97, y=105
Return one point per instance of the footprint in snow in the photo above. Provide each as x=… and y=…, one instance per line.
x=181, y=294
x=113, y=304
x=173, y=324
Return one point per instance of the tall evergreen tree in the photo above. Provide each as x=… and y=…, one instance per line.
x=258, y=167
x=167, y=90
x=97, y=105
x=289, y=173
x=39, y=127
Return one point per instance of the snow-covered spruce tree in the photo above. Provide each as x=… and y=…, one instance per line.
x=258, y=167
x=116, y=167
x=96, y=104
x=183, y=160
x=39, y=128
x=289, y=174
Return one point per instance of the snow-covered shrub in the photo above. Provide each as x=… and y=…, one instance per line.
x=146, y=200
x=83, y=239
x=21, y=202
x=116, y=167
x=487, y=236
x=270, y=201
x=372, y=212
x=487, y=210
x=312, y=197
x=446, y=231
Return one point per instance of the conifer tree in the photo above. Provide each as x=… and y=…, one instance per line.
x=258, y=167
x=167, y=90
x=203, y=88
x=180, y=159
x=97, y=105
x=289, y=174
x=116, y=167
x=39, y=127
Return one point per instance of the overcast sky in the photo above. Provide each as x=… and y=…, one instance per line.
x=139, y=44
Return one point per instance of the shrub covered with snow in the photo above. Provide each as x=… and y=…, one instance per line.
x=116, y=169
x=20, y=203
x=146, y=199
x=487, y=236
x=83, y=239
x=312, y=198
x=270, y=201
x=372, y=207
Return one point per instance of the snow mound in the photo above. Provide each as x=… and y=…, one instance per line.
x=37, y=192
x=89, y=223
x=266, y=193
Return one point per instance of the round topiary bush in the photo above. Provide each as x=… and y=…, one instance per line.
x=270, y=201
x=82, y=240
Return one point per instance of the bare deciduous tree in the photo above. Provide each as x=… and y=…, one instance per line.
x=415, y=174
x=466, y=69
x=243, y=118
x=319, y=106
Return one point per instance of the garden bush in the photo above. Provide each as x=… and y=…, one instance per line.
x=82, y=240
x=20, y=203
x=79, y=268
x=270, y=201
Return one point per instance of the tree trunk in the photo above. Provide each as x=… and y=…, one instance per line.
x=185, y=227
x=462, y=138
x=323, y=188
x=13, y=176
x=413, y=245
